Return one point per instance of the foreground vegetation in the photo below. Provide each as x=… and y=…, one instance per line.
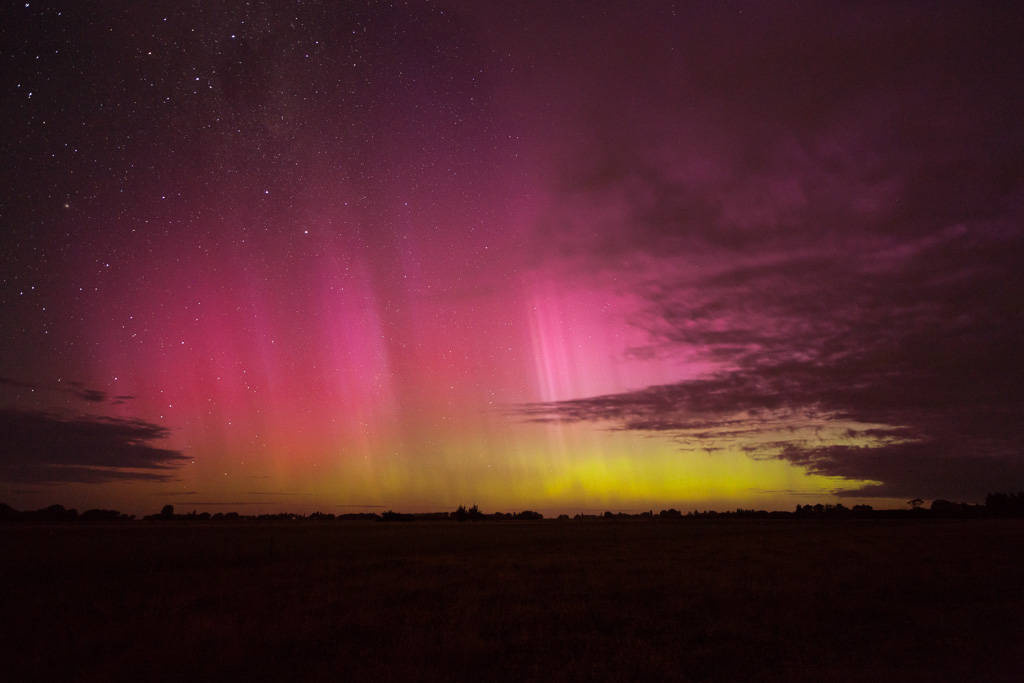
x=996, y=505
x=715, y=599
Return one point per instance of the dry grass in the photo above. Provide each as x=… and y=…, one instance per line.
x=707, y=600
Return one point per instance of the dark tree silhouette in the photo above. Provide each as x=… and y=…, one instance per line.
x=461, y=514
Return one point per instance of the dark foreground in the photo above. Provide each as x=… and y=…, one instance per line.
x=726, y=601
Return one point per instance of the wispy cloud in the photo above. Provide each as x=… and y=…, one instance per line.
x=73, y=388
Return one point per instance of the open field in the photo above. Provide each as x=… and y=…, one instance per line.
x=725, y=600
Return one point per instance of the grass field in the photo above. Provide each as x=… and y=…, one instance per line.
x=701, y=600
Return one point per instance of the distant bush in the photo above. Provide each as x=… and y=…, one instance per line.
x=104, y=516
x=819, y=510
x=461, y=514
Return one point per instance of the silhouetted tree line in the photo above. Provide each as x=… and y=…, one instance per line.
x=329, y=517
x=473, y=514
x=59, y=513
x=167, y=514
x=392, y=516
x=837, y=510
x=996, y=505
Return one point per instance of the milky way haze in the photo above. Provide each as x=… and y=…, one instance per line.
x=566, y=256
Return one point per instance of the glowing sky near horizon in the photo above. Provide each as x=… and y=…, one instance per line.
x=417, y=255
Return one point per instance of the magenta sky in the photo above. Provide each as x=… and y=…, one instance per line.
x=566, y=256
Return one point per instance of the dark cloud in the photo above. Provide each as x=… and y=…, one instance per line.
x=832, y=219
x=897, y=364
x=91, y=395
x=773, y=129
x=44, y=447
x=86, y=393
x=933, y=469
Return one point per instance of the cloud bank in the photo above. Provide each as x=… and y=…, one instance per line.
x=42, y=447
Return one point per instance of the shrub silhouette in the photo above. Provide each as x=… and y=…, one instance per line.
x=461, y=514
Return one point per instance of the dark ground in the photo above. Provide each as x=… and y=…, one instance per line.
x=732, y=600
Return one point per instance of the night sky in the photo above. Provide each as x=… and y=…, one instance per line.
x=566, y=256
